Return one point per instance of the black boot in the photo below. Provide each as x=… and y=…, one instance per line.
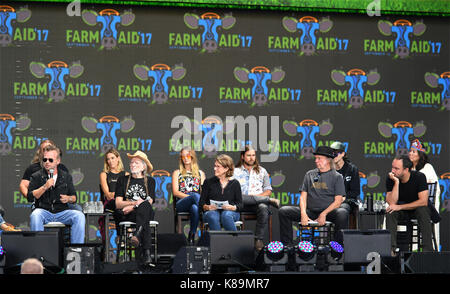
x=147, y=258
x=136, y=238
x=191, y=239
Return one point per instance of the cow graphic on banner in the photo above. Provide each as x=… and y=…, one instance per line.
x=308, y=129
x=159, y=73
x=433, y=80
x=356, y=78
x=108, y=126
x=260, y=75
x=163, y=189
x=308, y=27
x=57, y=71
x=7, y=124
x=8, y=15
x=109, y=20
x=403, y=29
x=210, y=22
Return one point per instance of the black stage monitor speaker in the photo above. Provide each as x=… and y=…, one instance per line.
x=170, y=244
x=230, y=248
x=192, y=260
x=425, y=262
x=19, y=246
x=357, y=244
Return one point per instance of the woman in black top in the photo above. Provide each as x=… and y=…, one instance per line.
x=221, y=188
x=134, y=196
x=112, y=170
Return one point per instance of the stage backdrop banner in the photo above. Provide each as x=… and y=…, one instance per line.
x=157, y=78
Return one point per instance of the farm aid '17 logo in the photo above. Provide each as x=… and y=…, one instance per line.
x=403, y=132
x=434, y=99
x=159, y=88
x=356, y=95
x=307, y=40
x=108, y=126
x=109, y=37
x=212, y=39
x=261, y=93
x=404, y=45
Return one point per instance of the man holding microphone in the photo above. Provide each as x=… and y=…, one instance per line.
x=52, y=189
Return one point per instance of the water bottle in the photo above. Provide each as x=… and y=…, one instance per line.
x=369, y=203
x=99, y=207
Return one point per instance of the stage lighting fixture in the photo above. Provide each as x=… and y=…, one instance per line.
x=306, y=256
x=2, y=260
x=335, y=257
x=275, y=256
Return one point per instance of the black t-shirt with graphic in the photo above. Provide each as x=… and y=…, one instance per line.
x=136, y=188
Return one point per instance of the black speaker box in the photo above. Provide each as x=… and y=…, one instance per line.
x=82, y=258
x=357, y=244
x=192, y=260
x=425, y=262
x=369, y=221
x=45, y=246
x=229, y=248
x=170, y=244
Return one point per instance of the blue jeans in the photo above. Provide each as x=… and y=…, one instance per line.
x=190, y=204
x=39, y=217
x=227, y=217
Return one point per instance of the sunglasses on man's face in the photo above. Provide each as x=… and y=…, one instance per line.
x=49, y=159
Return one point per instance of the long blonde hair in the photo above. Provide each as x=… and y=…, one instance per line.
x=106, y=168
x=195, y=170
x=39, y=152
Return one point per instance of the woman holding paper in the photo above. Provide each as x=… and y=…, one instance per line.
x=221, y=197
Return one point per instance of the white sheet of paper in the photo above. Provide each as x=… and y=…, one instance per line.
x=218, y=204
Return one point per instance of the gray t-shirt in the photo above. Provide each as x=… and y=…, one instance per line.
x=322, y=188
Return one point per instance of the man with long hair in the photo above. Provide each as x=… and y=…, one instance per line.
x=256, y=191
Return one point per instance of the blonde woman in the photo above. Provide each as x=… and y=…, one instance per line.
x=186, y=184
x=112, y=170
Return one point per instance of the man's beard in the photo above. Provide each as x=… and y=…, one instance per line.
x=250, y=164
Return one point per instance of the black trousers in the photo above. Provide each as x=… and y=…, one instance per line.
x=288, y=214
x=142, y=217
x=422, y=214
x=260, y=205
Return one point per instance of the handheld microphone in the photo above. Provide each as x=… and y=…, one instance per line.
x=51, y=171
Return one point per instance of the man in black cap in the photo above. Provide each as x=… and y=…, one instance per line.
x=321, y=196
